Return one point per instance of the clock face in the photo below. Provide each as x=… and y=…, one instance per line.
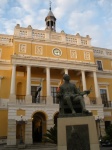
x=57, y=52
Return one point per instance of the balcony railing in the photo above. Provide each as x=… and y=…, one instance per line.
x=40, y=100
x=20, y=99
x=107, y=104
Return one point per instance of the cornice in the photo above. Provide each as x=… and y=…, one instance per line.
x=52, y=63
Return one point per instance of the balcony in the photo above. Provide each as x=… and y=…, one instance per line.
x=107, y=104
x=20, y=99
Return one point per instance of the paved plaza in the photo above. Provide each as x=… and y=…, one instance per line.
x=42, y=147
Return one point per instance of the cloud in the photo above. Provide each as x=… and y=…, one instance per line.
x=87, y=17
x=3, y=3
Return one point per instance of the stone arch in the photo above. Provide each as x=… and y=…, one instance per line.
x=55, y=116
x=39, y=125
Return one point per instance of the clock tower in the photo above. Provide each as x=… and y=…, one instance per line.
x=50, y=20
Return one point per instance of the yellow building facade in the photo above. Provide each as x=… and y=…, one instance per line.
x=31, y=58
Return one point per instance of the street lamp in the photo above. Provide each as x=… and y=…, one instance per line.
x=99, y=120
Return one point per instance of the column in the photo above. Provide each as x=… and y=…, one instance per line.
x=83, y=80
x=49, y=99
x=66, y=71
x=11, y=137
x=98, y=98
x=28, y=132
x=86, y=98
x=28, y=97
x=12, y=97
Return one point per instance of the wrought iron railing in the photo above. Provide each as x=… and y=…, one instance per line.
x=107, y=104
x=40, y=99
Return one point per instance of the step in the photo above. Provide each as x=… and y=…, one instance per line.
x=39, y=146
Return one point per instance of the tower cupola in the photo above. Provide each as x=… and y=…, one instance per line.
x=50, y=20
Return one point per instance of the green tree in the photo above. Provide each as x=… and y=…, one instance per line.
x=108, y=134
x=51, y=135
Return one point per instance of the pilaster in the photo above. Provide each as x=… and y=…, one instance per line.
x=11, y=138
x=28, y=132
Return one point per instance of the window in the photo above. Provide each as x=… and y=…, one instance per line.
x=103, y=93
x=99, y=64
x=53, y=94
x=33, y=92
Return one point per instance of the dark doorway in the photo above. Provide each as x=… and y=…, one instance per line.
x=38, y=127
x=55, y=118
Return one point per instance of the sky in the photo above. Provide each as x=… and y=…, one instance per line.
x=86, y=17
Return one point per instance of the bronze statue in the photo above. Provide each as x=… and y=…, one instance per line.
x=69, y=94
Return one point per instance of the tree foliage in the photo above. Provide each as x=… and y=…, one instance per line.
x=51, y=135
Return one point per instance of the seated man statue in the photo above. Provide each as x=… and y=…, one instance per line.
x=68, y=92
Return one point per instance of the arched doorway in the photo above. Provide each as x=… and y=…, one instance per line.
x=55, y=118
x=38, y=126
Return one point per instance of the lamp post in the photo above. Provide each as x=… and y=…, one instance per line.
x=99, y=120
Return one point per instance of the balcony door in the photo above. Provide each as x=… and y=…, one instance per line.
x=103, y=93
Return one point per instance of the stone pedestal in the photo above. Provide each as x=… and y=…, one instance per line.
x=77, y=132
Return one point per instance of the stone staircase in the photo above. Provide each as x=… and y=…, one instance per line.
x=39, y=146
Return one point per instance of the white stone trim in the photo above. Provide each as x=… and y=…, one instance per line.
x=87, y=55
x=56, y=48
x=52, y=63
x=38, y=50
x=107, y=113
x=22, y=48
x=73, y=53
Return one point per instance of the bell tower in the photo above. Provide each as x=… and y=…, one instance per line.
x=50, y=20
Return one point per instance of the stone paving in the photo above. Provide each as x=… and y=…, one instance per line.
x=30, y=147
x=41, y=147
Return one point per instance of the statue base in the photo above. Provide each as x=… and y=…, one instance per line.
x=79, y=132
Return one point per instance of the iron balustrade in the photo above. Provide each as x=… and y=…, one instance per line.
x=40, y=99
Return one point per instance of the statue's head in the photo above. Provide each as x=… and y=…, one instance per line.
x=66, y=77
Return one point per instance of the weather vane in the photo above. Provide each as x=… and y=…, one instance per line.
x=50, y=4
